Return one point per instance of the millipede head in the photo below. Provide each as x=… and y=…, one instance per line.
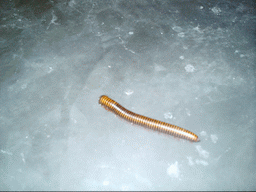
x=101, y=97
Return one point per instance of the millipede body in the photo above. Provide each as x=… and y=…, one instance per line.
x=167, y=128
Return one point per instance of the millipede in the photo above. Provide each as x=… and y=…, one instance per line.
x=153, y=124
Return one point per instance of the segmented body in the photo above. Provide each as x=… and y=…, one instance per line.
x=167, y=128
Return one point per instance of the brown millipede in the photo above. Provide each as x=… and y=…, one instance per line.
x=167, y=128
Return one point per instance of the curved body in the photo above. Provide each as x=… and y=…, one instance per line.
x=167, y=128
